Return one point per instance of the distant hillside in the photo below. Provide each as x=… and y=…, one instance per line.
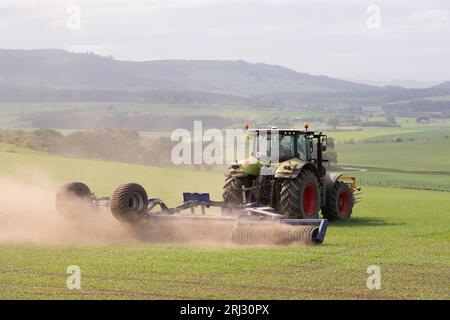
x=57, y=75
x=405, y=83
x=58, y=68
x=14, y=93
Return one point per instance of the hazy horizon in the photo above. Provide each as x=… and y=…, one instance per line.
x=361, y=41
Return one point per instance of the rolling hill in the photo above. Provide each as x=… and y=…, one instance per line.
x=58, y=75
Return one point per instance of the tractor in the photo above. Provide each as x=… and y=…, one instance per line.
x=266, y=199
x=295, y=183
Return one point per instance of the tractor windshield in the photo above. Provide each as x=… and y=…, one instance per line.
x=287, y=148
x=264, y=144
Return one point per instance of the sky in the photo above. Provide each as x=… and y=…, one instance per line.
x=349, y=39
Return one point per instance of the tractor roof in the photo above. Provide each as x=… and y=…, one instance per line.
x=289, y=132
x=282, y=131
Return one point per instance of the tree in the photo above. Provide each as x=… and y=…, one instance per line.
x=331, y=156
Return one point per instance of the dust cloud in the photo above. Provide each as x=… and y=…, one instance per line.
x=28, y=214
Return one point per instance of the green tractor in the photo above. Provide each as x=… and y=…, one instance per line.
x=295, y=182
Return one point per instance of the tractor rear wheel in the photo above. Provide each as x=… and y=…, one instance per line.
x=341, y=202
x=300, y=197
x=73, y=200
x=129, y=202
x=232, y=189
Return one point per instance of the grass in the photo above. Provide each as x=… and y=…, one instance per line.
x=405, y=232
x=6, y=148
x=102, y=176
x=402, y=179
x=414, y=164
x=365, y=133
x=425, y=156
x=396, y=235
x=437, y=132
x=11, y=114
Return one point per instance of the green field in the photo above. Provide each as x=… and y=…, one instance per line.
x=358, y=134
x=102, y=176
x=11, y=114
x=401, y=179
x=427, y=156
x=421, y=164
x=405, y=232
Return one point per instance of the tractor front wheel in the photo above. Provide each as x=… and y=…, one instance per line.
x=341, y=202
x=300, y=197
x=129, y=202
x=232, y=189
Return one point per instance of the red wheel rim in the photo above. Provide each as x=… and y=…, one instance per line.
x=309, y=199
x=344, y=202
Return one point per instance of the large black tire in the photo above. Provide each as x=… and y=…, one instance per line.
x=300, y=197
x=232, y=189
x=73, y=200
x=341, y=202
x=129, y=202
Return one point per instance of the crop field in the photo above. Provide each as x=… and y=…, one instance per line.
x=102, y=176
x=359, y=135
x=402, y=179
x=418, y=160
x=430, y=154
x=404, y=232
x=15, y=114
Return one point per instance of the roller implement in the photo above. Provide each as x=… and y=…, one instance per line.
x=265, y=200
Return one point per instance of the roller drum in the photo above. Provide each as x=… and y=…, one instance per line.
x=273, y=233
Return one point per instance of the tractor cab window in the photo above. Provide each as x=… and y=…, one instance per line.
x=264, y=144
x=302, y=148
x=287, y=150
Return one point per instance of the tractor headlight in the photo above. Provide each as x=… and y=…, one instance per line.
x=289, y=167
x=235, y=166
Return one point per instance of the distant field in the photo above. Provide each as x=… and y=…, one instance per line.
x=6, y=148
x=429, y=155
x=401, y=179
x=369, y=132
x=440, y=98
x=16, y=115
x=401, y=164
x=405, y=232
x=431, y=133
x=11, y=113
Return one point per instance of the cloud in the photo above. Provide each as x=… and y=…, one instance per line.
x=434, y=17
x=315, y=36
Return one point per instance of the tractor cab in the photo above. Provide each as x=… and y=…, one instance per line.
x=280, y=145
x=286, y=172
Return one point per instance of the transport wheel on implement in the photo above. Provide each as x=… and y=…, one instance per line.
x=300, y=197
x=341, y=203
x=129, y=202
x=73, y=200
x=232, y=189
